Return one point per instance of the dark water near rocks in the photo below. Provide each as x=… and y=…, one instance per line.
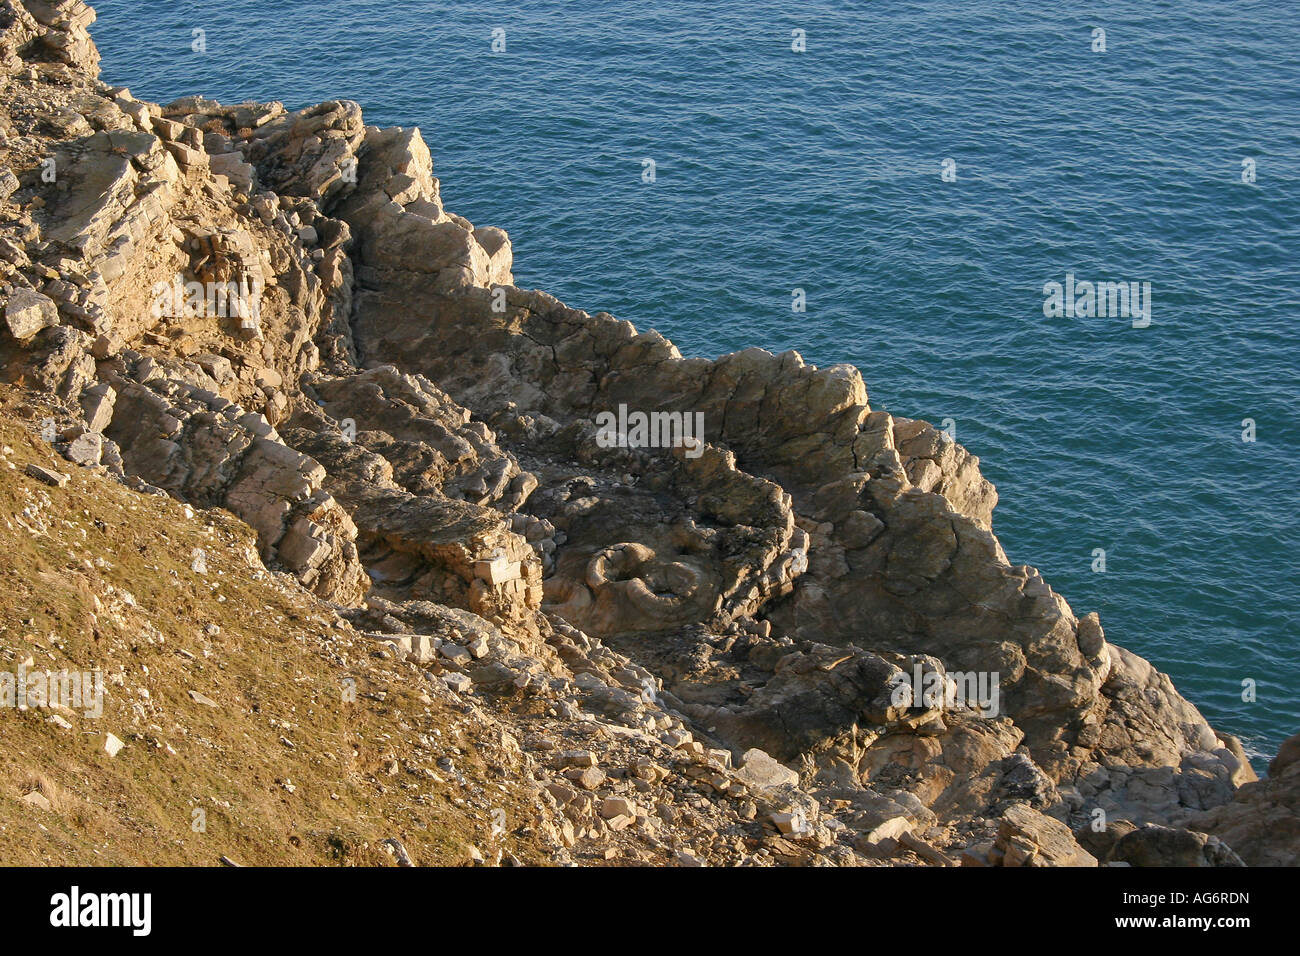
x=820, y=170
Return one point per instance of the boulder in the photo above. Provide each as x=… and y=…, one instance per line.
x=1154, y=845
x=27, y=312
x=1028, y=838
x=758, y=771
x=1261, y=823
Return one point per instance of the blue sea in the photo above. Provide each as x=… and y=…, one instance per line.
x=823, y=169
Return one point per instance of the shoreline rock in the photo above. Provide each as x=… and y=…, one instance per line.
x=415, y=440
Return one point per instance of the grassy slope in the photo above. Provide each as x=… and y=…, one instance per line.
x=276, y=667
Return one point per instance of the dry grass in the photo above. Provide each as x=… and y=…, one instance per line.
x=284, y=771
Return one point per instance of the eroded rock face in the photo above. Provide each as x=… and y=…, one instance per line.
x=896, y=526
x=419, y=441
x=714, y=563
x=431, y=442
x=201, y=448
x=47, y=31
x=424, y=546
x=1261, y=822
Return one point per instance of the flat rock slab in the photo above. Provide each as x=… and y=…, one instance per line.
x=56, y=479
x=39, y=800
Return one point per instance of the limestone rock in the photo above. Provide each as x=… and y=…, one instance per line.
x=86, y=449
x=38, y=800
x=97, y=405
x=53, y=478
x=27, y=312
x=1154, y=845
x=1261, y=823
x=1028, y=838
x=758, y=771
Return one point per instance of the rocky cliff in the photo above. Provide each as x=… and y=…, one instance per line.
x=707, y=652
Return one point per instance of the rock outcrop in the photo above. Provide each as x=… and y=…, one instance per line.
x=801, y=605
x=1262, y=821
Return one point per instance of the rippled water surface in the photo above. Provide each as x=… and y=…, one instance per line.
x=820, y=170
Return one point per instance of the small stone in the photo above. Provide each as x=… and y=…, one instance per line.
x=575, y=758
x=39, y=800
x=187, y=157
x=397, y=851
x=612, y=807
x=588, y=779
x=8, y=182
x=676, y=738
x=788, y=823
x=202, y=699
x=97, y=404
x=454, y=653
x=54, y=478
x=496, y=570
x=460, y=683
x=890, y=829
x=106, y=345
x=112, y=745
x=977, y=855
x=563, y=795
x=218, y=367
x=722, y=757
x=59, y=722
x=758, y=771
